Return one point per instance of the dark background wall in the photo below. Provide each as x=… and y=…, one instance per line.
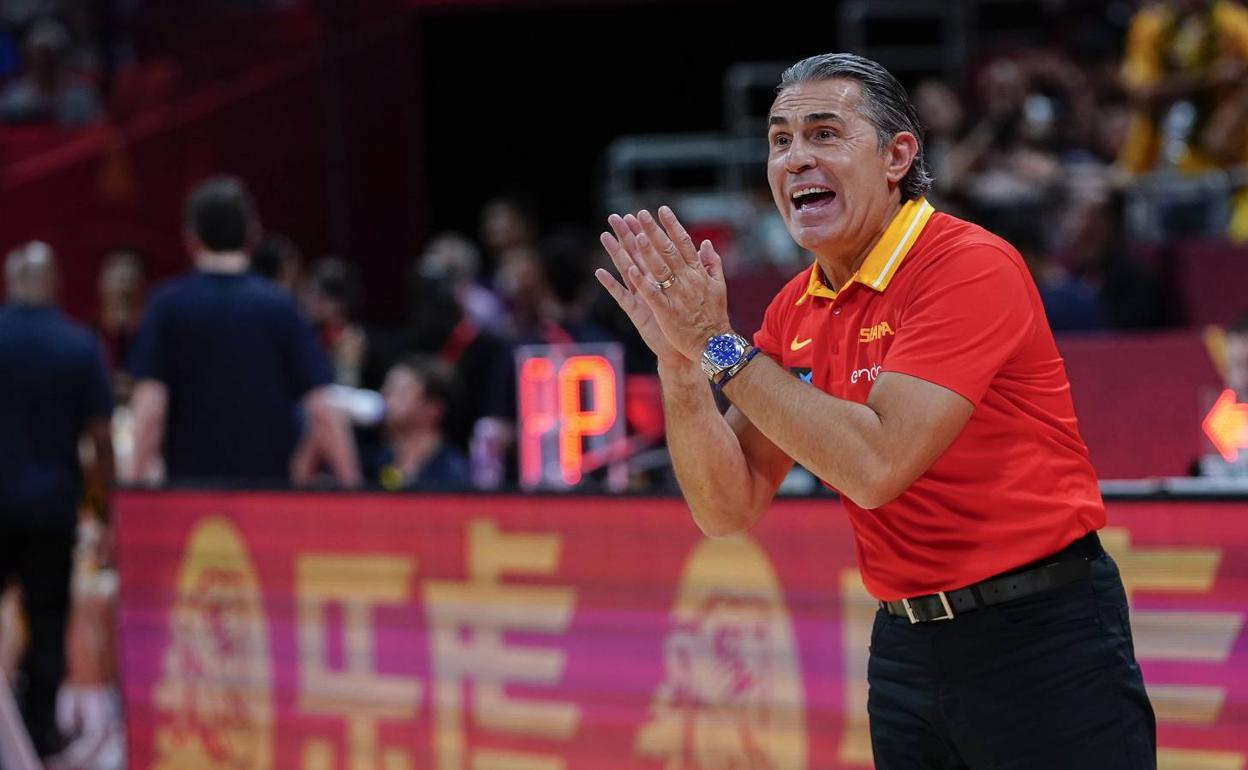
x=527, y=99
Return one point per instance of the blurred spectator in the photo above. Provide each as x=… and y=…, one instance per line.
x=278, y=259
x=1186, y=71
x=49, y=91
x=224, y=360
x=53, y=392
x=1092, y=248
x=1071, y=303
x=437, y=326
x=455, y=258
x=547, y=291
x=122, y=289
x=20, y=14
x=332, y=299
x=10, y=58
x=943, y=120
x=419, y=394
x=1006, y=167
x=506, y=224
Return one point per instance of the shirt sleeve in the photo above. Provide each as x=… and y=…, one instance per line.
x=148, y=356
x=964, y=321
x=770, y=334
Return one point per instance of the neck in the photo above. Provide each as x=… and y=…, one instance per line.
x=413, y=448
x=228, y=262
x=839, y=265
x=30, y=299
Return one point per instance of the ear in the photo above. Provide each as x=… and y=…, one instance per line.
x=901, y=154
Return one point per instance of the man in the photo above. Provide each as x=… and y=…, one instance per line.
x=278, y=259
x=941, y=413
x=121, y=287
x=451, y=256
x=224, y=365
x=419, y=393
x=53, y=392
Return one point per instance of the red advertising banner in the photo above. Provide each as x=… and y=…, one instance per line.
x=369, y=632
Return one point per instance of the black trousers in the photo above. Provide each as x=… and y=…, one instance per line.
x=41, y=562
x=1043, y=682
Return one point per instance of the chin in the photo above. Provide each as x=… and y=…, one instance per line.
x=814, y=239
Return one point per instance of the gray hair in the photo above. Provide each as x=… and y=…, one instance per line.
x=884, y=103
x=30, y=273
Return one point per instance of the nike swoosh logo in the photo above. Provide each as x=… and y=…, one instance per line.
x=795, y=345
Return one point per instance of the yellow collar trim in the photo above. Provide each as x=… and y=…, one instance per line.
x=885, y=257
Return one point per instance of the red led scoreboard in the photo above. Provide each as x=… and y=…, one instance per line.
x=570, y=408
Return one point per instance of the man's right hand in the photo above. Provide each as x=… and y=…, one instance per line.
x=623, y=250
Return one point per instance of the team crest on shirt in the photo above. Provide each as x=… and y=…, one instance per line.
x=803, y=374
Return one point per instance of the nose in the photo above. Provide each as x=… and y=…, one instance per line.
x=798, y=157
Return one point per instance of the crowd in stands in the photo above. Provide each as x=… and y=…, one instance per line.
x=71, y=64
x=1040, y=144
x=58, y=58
x=257, y=341
x=1047, y=146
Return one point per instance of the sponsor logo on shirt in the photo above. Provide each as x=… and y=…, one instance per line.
x=798, y=345
x=872, y=333
x=865, y=375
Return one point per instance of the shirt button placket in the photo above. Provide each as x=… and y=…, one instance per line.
x=836, y=338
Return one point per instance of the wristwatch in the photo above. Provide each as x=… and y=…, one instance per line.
x=722, y=353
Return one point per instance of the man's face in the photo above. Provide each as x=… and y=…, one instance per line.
x=503, y=226
x=404, y=392
x=1237, y=365
x=820, y=144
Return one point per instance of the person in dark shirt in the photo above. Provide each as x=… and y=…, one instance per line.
x=53, y=391
x=278, y=259
x=438, y=326
x=122, y=285
x=225, y=366
x=419, y=393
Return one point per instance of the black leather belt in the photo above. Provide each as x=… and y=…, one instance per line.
x=1066, y=566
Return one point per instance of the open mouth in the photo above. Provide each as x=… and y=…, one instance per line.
x=809, y=197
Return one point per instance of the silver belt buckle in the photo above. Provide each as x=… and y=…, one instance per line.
x=944, y=600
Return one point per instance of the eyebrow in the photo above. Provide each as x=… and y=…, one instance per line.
x=814, y=117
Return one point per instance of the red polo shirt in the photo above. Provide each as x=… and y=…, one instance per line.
x=946, y=301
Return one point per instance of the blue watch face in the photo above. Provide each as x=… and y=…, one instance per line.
x=723, y=350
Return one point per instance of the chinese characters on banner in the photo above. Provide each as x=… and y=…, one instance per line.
x=264, y=630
